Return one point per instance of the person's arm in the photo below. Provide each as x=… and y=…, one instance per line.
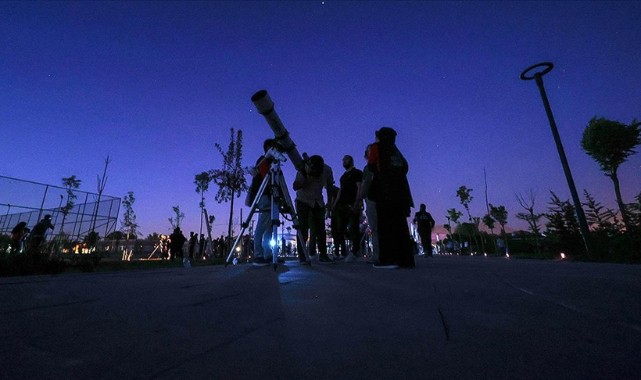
x=335, y=200
x=329, y=184
x=299, y=182
x=363, y=189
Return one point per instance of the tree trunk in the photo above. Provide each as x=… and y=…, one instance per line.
x=617, y=192
x=231, y=214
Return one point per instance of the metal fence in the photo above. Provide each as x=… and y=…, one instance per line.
x=28, y=201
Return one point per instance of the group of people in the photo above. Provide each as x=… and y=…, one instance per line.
x=23, y=238
x=382, y=185
x=171, y=246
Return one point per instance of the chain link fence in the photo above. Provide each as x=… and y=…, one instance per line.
x=28, y=201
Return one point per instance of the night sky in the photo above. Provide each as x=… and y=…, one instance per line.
x=154, y=85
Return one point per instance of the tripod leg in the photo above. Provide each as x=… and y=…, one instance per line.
x=289, y=208
x=260, y=193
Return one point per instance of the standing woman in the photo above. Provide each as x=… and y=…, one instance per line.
x=391, y=192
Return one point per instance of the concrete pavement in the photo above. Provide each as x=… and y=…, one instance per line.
x=450, y=317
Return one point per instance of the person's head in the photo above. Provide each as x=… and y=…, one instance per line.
x=191, y=233
x=48, y=217
x=386, y=135
x=423, y=207
x=176, y=230
x=268, y=144
x=315, y=165
x=367, y=148
x=348, y=162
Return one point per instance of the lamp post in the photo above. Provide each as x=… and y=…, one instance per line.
x=538, y=77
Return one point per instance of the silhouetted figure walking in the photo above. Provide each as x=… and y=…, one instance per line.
x=424, y=224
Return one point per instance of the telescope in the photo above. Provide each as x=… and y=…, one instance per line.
x=265, y=107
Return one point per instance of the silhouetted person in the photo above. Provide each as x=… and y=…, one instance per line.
x=424, y=224
x=370, y=207
x=390, y=189
x=176, y=241
x=310, y=206
x=193, y=240
x=262, y=230
x=348, y=209
x=18, y=235
x=201, y=246
x=39, y=232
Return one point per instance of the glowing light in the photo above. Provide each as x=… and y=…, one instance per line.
x=237, y=249
x=562, y=256
x=272, y=243
x=485, y=254
x=507, y=255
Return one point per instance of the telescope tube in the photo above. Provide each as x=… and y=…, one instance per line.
x=265, y=107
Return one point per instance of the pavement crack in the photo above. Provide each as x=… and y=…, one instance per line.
x=446, y=327
x=36, y=308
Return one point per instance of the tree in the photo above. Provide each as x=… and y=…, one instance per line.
x=465, y=197
x=530, y=217
x=499, y=213
x=231, y=177
x=202, y=182
x=175, y=223
x=610, y=143
x=70, y=183
x=102, y=183
x=454, y=215
x=490, y=223
x=600, y=219
x=562, y=225
x=128, y=224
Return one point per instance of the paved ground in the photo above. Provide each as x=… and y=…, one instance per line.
x=451, y=317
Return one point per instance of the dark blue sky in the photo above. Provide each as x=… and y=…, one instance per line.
x=155, y=84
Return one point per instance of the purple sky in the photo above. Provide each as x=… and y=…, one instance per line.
x=155, y=84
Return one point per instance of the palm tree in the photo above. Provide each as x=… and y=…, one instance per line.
x=610, y=143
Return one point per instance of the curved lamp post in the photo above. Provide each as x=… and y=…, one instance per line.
x=538, y=77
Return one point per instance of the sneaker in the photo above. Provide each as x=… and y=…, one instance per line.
x=260, y=262
x=350, y=258
x=324, y=259
x=385, y=266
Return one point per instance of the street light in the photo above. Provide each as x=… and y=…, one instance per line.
x=538, y=77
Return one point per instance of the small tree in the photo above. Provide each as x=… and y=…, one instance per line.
x=202, y=182
x=562, y=225
x=530, y=217
x=610, y=143
x=175, y=222
x=599, y=218
x=465, y=197
x=70, y=183
x=128, y=224
x=102, y=183
x=231, y=177
x=499, y=213
x=490, y=223
x=454, y=215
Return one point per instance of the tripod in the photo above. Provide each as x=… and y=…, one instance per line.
x=281, y=203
